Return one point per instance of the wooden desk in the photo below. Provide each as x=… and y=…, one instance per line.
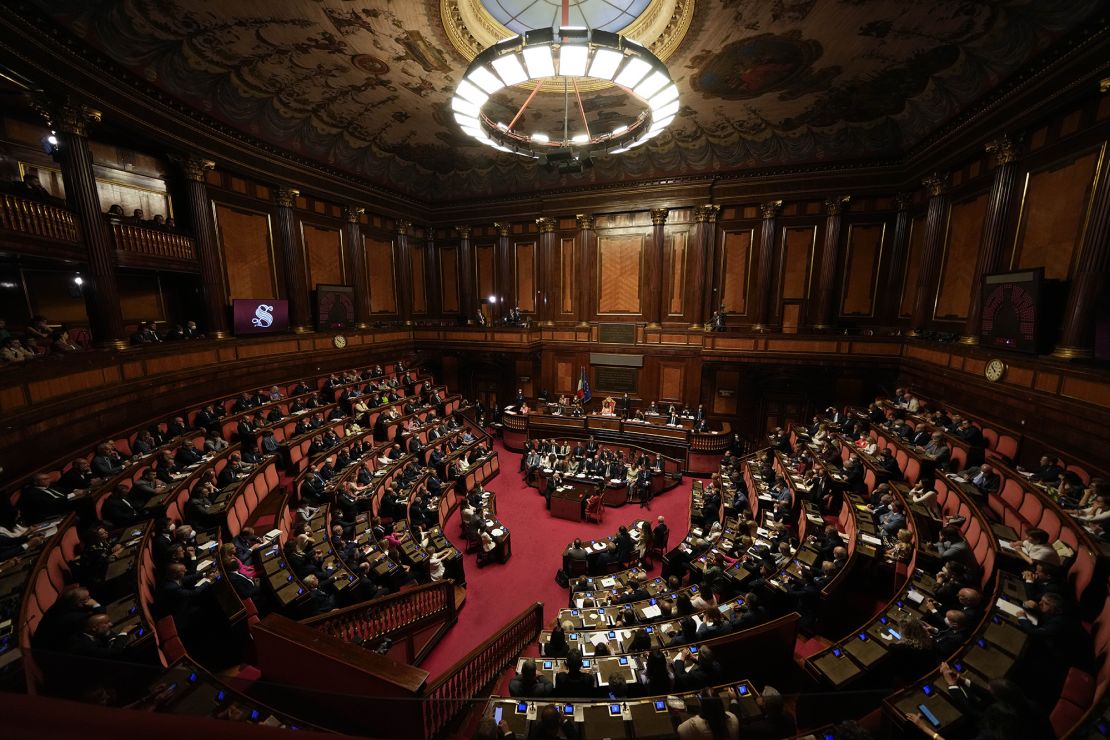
x=568, y=502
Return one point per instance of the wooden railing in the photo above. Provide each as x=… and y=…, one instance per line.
x=450, y=694
x=37, y=219
x=399, y=616
x=152, y=242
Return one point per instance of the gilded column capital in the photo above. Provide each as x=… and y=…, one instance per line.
x=403, y=227
x=585, y=222
x=66, y=116
x=834, y=206
x=286, y=197
x=464, y=231
x=546, y=224
x=903, y=200
x=353, y=214
x=770, y=209
x=192, y=166
x=707, y=213
x=1104, y=84
x=503, y=229
x=936, y=184
x=1004, y=149
x=658, y=216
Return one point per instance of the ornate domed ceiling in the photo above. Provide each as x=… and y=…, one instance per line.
x=366, y=86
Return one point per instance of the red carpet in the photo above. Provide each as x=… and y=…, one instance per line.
x=497, y=593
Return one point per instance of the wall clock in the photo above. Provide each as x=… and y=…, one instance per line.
x=994, y=370
x=339, y=341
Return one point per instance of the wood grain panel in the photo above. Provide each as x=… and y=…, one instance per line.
x=619, y=272
x=671, y=378
x=246, y=244
x=913, y=266
x=381, y=276
x=564, y=377
x=676, y=271
x=737, y=254
x=419, y=287
x=798, y=243
x=140, y=298
x=727, y=381
x=526, y=276
x=323, y=249
x=449, y=279
x=861, y=269
x=566, y=287
x=1053, y=214
x=53, y=294
x=485, y=271
x=965, y=231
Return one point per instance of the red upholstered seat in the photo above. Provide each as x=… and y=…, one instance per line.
x=1080, y=472
x=1079, y=688
x=959, y=458
x=991, y=437
x=1031, y=509
x=1007, y=446
x=1050, y=523
x=1065, y=717
x=912, y=470
x=171, y=649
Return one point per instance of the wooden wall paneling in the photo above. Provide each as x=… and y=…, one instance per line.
x=565, y=379
x=727, y=381
x=677, y=249
x=381, y=274
x=735, y=270
x=449, y=279
x=1053, y=213
x=798, y=246
x=419, y=287
x=620, y=274
x=525, y=379
x=913, y=266
x=140, y=297
x=672, y=381
x=525, y=258
x=323, y=254
x=567, y=282
x=965, y=230
x=54, y=294
x=247, y=247
x=862, y=261
x=485, y=278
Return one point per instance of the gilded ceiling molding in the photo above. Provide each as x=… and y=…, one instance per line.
x=65, y=115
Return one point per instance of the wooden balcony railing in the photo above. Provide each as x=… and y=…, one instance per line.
x=37, y=219
x=450, y=694
x=152, y=242
x=401, y=616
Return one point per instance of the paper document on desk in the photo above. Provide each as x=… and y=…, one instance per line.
x=1007, y=546
x=653, y=611
x=599, y=545
x=598, y=638
x=497, y=532
x=608, y=582
x=871, y=540
x=915, y=596
x=204, y=565
x=1009, y=607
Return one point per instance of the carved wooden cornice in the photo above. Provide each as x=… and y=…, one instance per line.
x=286, y=197
x=66, y=115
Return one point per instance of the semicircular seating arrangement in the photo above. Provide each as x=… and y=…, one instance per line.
x=865, y=577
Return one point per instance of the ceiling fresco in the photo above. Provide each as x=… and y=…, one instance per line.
x=366, y=85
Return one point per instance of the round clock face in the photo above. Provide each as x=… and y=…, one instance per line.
x=339, y=341
x=994, y=370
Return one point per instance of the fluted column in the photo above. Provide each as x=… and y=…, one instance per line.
x=506, y=276
x=1089, y=283
x=467, y=304
x=704, y=264
x=356, y=263
x=654, y=282
x=933, y=247
x=766, y=266
x=994, y=227
x=70, y=122
x=899, y=247
x=830, y=252
x=404, y=273
x=587, y=237
x=545, y=311
x=292, y=254
x=199, y=207
x=431, y=272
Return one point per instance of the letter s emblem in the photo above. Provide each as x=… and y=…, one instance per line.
x=263, y=316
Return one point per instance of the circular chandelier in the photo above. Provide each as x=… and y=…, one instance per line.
x=567, y=61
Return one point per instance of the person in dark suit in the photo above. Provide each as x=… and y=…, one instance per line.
x=79, y=477
x=703, y=671
x=319, y=601
x=233, y=471
x=65, y=618
x=955, y=633
x=96, y=640
x=179, y=595
x=660, y=534
x=573, y=683
x=41, y=500
x=106, y=462
x=528, y=683
x=119, y=510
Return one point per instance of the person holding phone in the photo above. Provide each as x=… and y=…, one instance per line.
x=1001, y=710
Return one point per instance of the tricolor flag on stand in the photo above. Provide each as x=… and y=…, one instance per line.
x=583, y=393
